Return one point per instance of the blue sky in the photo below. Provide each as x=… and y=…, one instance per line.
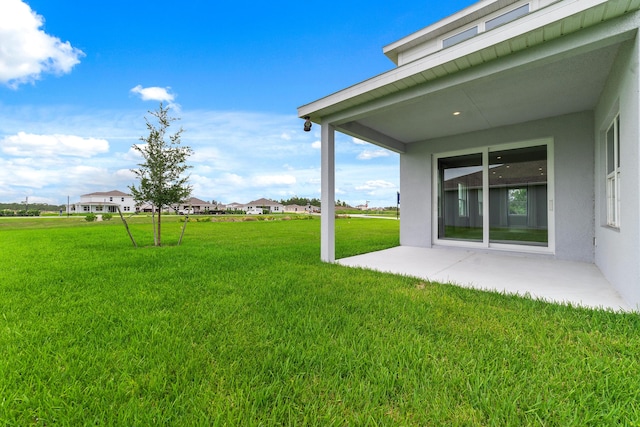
x=78, y=77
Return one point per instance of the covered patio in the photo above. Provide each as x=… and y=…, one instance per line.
x=541, y=277
x=510, y=145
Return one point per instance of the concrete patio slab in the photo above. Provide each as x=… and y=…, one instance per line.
x=540, y=277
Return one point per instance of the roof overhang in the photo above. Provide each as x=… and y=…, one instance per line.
x=554, y=61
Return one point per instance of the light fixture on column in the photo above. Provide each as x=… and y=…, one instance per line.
x=307, y=123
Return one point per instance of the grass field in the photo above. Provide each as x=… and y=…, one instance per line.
x=243, y=325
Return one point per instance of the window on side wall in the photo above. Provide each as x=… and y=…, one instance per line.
x=613, y=173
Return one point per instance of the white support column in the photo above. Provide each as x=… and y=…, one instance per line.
x=328, y=181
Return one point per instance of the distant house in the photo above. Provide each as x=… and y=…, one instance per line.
x=234, y=206
x=194, y=206
x=104, y=202
x=271, y=206
x=148, y=207
x=296, y=209
x=516, y=124
x=264, y=204
x=197, y=206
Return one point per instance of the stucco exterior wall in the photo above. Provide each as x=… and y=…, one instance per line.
x=573, y=149
x=617, y=251
x=415, y=196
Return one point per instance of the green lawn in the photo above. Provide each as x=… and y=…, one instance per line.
x=243, y=325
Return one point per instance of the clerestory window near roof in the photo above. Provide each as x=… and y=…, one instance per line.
x=487, y=25
x=460, y=37
x=506, y=17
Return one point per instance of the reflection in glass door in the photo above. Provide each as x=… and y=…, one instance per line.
x=460, y=197
x=495, y=196
x=518, y=196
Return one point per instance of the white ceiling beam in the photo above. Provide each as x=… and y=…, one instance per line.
x=359, y=131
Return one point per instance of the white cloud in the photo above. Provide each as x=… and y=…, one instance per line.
x=231, y=179
x=359, y=141
x=238, y=156
x=131, y=155
x=270, y=180
x=204, y=169
x=26, y=52
x=24, y=176
x=372, y=154
x=33, y=177
x=32, y=145
x=154, y=93
x=202, y=186
x=125, y=174
x=316, y=144
x=375, y=185
x=206, y=155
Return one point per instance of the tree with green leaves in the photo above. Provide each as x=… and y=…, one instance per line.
x=162, y=173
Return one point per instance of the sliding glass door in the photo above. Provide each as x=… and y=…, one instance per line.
x=460, y=197
x=518, y=196
x=495, y=196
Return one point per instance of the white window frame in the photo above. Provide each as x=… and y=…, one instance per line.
x=463, y=200
x=613, y=178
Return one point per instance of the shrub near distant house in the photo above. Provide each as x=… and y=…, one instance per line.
x=30, y=212
x=107, y=216
x=90, y=217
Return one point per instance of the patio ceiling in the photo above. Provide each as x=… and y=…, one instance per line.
x=518, y=95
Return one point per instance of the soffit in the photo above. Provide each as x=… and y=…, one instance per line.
x=550, y=89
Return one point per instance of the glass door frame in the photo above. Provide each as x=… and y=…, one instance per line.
x=485, y=243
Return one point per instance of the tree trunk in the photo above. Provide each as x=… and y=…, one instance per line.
x=153, y=224
x=184, y=226
x=127, y=227
x=159, y=227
